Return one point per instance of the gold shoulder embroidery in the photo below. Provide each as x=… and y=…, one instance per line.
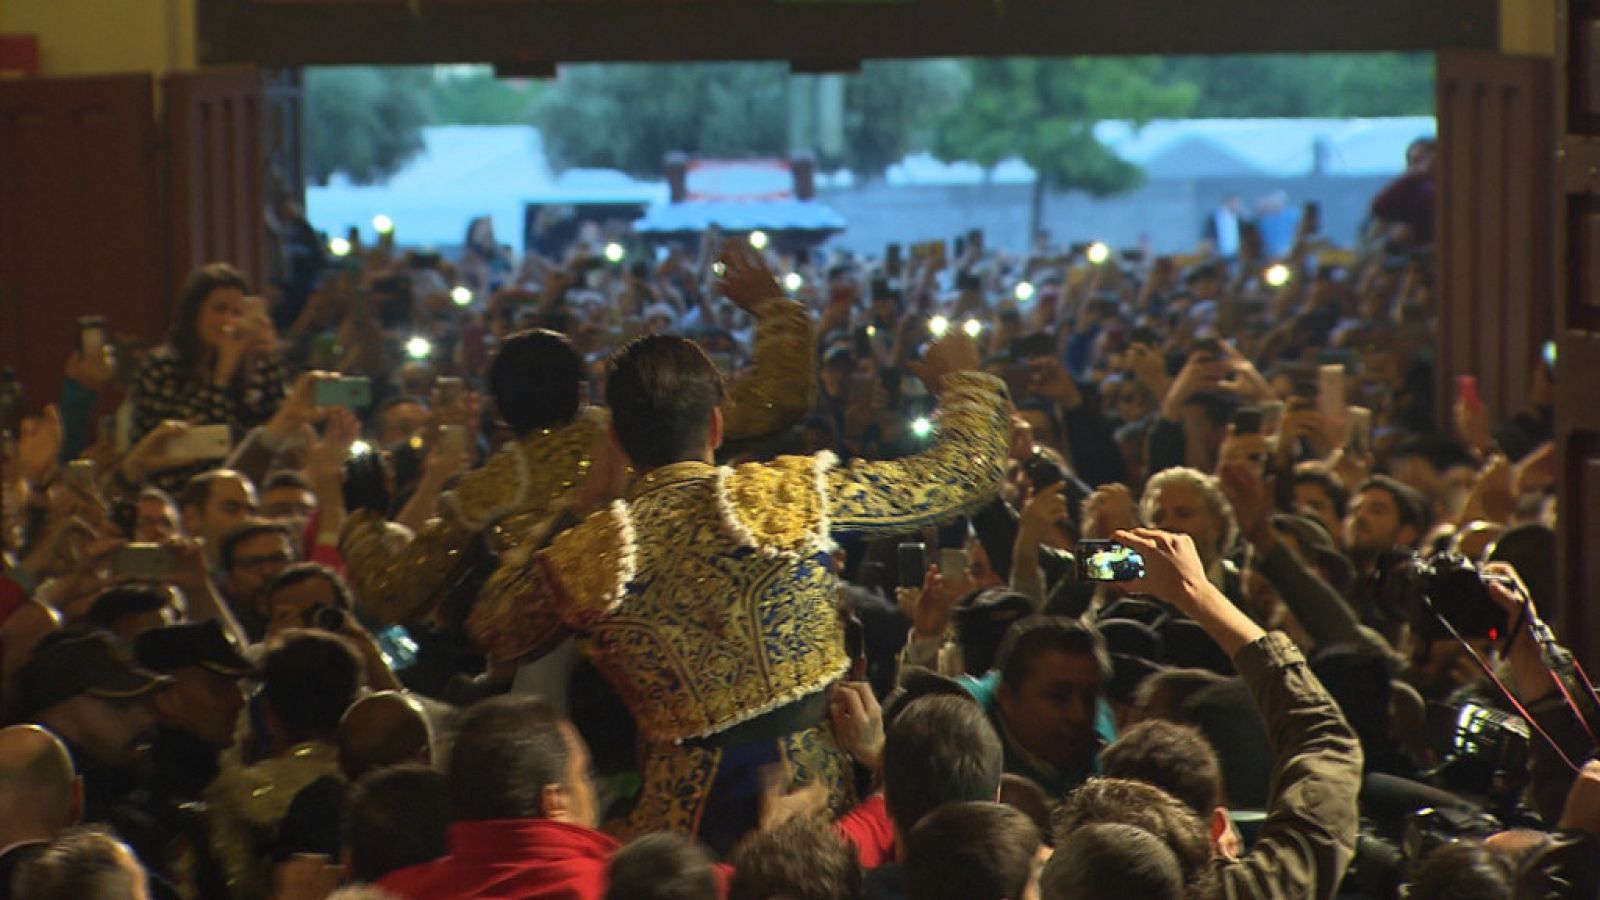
x=594, y=562
x=777, y=506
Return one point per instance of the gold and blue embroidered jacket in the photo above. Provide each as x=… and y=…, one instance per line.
x=519, y=485
x=707, y=598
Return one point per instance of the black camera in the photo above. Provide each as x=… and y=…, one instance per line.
x=1429, y=592
x=327, y=618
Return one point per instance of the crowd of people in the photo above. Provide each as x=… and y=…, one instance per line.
x=764, y=572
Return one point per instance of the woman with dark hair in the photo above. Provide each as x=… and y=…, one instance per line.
x=219, y=364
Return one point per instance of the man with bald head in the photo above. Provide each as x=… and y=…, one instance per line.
x=40, y=795
x=388, y=728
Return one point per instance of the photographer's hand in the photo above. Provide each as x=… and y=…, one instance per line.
x=1582, y=812
x=1175, y=574
x=1528, y=674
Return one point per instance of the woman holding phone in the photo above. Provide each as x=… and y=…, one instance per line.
x=218, y=366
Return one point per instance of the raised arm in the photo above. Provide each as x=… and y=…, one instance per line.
x=523, y=479
x=1310, y=834
x=776, y=391
x=962, y=470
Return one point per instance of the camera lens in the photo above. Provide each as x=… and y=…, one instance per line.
x=329, y=618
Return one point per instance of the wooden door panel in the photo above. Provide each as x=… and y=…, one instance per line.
x=215, y=196
x=1577, y=262
x=80, y=228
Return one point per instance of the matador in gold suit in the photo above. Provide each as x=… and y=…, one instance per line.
x=519, y=485
x=706, y=596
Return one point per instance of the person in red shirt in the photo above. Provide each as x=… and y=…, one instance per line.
x=524, y=809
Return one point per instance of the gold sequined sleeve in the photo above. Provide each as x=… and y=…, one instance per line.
x=534, y=599
x=522, y=479
x=776, y=393
x=405, y=584
x=962, y=470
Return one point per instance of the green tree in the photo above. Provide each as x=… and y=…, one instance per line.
x=364, y=122
x=630, y=116
x=1043, y=111
x=1328, y=85
x=894, y=107
x=472, y=95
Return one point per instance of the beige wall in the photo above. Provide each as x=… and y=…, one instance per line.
x=96, y=37
x=1528, y=26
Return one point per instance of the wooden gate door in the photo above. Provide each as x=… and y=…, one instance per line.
x=1577, y=250
x=80, y=223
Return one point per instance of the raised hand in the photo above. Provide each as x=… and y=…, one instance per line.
x=39, y=443
x=951, y=354
x=1043, y=510
x=1048, y=378
x=745, y=278
x=857, y=722
x=151, y=455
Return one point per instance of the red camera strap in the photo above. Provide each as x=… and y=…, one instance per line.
x=1515, y=703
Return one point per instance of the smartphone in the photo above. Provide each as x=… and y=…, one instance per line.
x=912, y=562
x=1043, y=472
x=1210, y=347
x=1230, y=316
x=143, y=562
x=723, y=362
x=1548, y=354
x=1271, y=417
x=1032, y=345
x=1108, y=561
x=1358, y=430
x=1247, y=420
x=352, y=392
x=202, y=442
x=91, y=335
x=1467, y=391
x=891, y=261
x=953, y=562
x=1144, y=334
x=453, y=438
x=1330, y=390
x=448, y=391
x=79, y=476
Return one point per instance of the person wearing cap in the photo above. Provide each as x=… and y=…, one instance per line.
x=197, y=717
x=196, y=720
x=84, y=689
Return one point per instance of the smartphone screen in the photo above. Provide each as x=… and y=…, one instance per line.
x=453, y=438
x=953, y=563
x=351, y=392
x=912, y=562
x=79, y=476
x=91, y=335
x=1358, y=430
x=1247, y=420
x=202, y=442
x=1271, y=417
x=1467, y=391
x=144, y=562
x=1108, y=561
x=1330, y=390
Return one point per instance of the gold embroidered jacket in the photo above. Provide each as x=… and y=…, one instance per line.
x=245, y=805
x=707, y=597
x=519, y=485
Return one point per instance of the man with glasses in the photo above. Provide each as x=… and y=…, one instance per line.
x=251, y=556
